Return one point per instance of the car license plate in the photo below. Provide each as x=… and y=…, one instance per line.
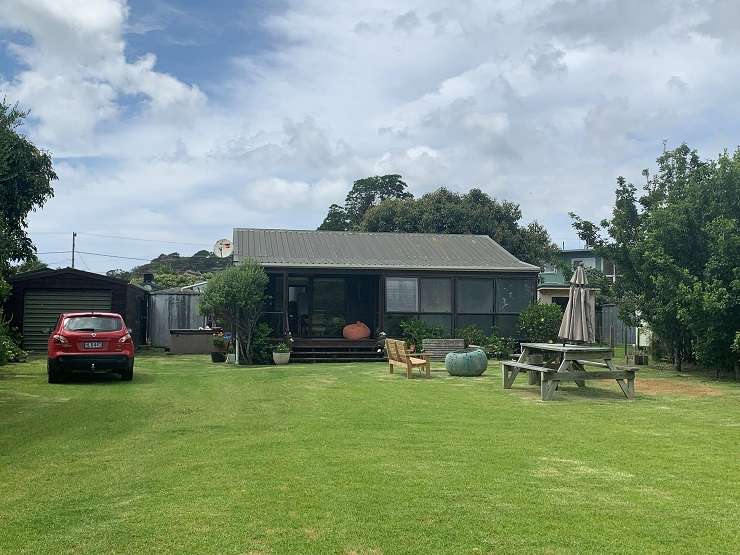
x=93, y=345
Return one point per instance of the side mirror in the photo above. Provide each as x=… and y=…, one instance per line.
x=47, y=331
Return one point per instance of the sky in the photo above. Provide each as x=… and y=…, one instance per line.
x=175, y=121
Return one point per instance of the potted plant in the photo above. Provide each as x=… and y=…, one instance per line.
x=281, y=354
x=218, y=352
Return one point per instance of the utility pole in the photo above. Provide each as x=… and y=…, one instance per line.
x=74, y=236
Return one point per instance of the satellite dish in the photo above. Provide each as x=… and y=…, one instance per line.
x=223, y=248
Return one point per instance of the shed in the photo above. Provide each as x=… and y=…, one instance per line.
x=37, y=298
x=176, y=308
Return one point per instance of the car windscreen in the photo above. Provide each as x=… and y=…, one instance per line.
x=93, y=323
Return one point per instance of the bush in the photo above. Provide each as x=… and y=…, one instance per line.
x=281, y=348
x=10, y=350
x=540, y=322
x=415, y=331
x=261, y=344
x=500, y=347
x=472, y=335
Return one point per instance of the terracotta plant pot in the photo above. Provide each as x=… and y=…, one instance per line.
x=356, y=331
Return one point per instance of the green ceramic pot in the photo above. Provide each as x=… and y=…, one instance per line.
x=469, y=362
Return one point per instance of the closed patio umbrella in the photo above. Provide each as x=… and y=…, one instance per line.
x=580, y=313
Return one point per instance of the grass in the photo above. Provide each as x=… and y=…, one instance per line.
x=203, y=458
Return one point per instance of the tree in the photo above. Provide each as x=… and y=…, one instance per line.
x=365, y=194
x=30, y=264
x=237, y=295
x=677, y=252
x=25, y=185
x=444, y=211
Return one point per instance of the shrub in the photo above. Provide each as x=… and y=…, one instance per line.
x=500, y=347
x=540, y=322
x=472, y=335
x=237, y=295
x=261, y=344
x=281, y=348
x=10, y=350
x=415, y=331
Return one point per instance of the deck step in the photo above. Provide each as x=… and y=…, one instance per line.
x=335, y=359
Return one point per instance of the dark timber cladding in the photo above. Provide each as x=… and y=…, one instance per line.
x=37, y=298
x=321, y=281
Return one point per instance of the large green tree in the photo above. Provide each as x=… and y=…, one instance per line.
x=25, y=185
x=677, y=252
x=445, y=211
x=365, y=194
x=237, y=296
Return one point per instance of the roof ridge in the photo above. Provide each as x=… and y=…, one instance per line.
x=352, y=232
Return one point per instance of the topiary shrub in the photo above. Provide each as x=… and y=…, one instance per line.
x=415, y=331
x=261, y=344
x=540, y=323
x=472, y=335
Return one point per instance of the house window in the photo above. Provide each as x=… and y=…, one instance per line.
x=401, y=294
x=474, y=296
x=587, y=262
x=483, y=322
x=513, y=295
x=435, y=295
x=443, y=321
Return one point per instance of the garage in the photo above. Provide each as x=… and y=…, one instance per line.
x=42, y=307
x=38, y=298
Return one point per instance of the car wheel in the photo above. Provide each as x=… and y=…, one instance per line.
x=128, y=374
x=53, y=371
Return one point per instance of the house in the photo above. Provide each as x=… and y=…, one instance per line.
x=320, y=281
x=37, y=298
x=553, y=287
x=574, y=257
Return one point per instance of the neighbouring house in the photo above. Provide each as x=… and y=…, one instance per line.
x=321, y=281
x=176, y=308
x=37, y=298
x=574, y=257
x=553, y=288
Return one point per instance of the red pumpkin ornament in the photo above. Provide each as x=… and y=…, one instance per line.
x=356, y=331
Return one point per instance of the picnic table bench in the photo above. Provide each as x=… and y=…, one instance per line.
x=569, y=364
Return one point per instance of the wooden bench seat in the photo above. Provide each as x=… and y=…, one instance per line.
x=398, y=355
x=437, y=349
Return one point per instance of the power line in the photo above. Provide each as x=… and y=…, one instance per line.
x=54, y=252
x=84, y=263
x=114, y=256
x=143, y=240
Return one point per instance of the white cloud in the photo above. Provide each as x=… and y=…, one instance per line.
x=542, y=103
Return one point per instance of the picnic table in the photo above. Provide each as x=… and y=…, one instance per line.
x=567, y=363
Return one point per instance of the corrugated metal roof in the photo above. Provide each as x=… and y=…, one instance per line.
x=356, y=250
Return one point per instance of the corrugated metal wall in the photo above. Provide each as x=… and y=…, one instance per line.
x=172, y=311
x=42, y=307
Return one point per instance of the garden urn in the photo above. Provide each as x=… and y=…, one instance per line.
x=467, y=362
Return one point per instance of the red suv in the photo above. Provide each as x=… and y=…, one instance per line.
x=90, y=342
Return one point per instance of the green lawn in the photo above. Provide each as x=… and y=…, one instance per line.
x=203, y=458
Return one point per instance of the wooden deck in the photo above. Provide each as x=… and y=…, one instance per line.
x=317, y=349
